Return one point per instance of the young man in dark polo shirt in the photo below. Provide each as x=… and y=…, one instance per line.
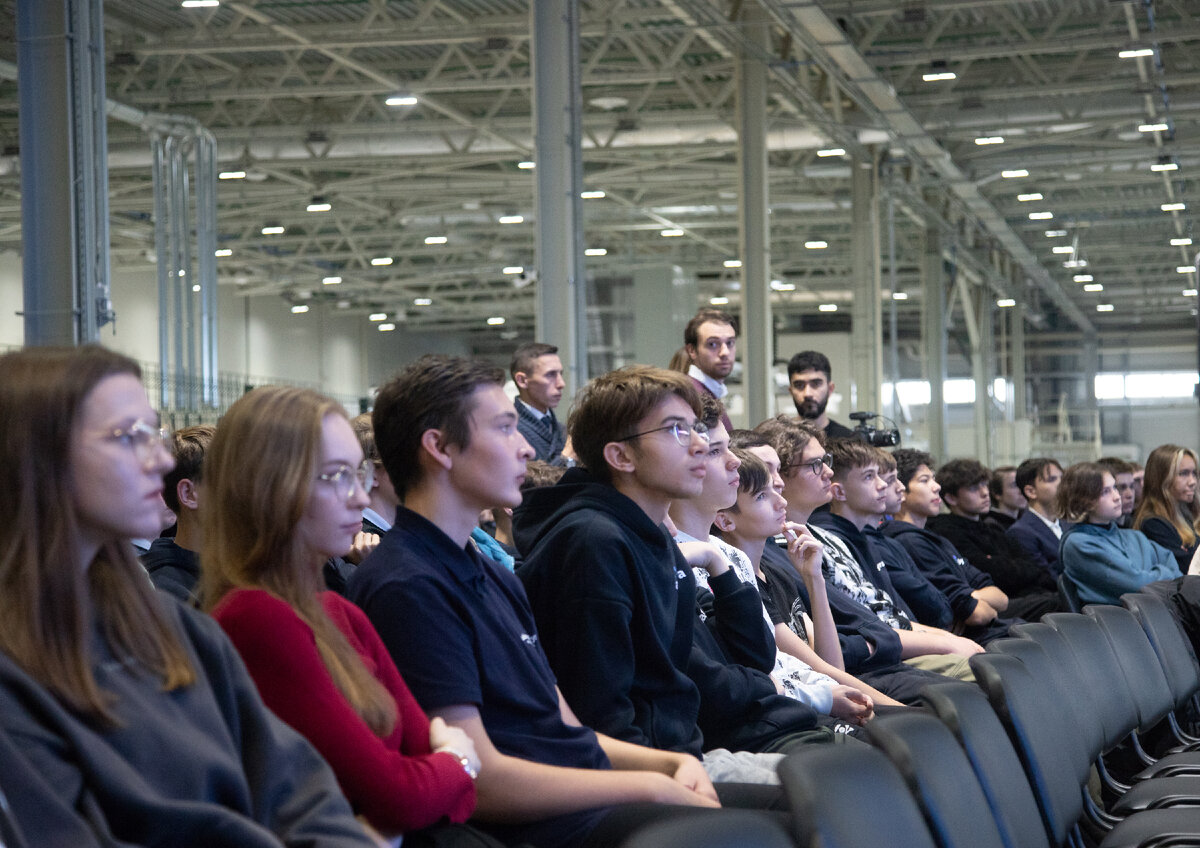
x=461, y=632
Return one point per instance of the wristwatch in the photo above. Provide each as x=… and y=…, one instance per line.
x=463, y=760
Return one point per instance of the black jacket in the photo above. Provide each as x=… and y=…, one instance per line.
x=992, y=551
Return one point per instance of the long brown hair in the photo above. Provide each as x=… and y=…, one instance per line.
x=48, y=606
x=258, y=477
x=1157, y=501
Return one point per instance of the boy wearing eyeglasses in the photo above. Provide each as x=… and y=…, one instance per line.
x=615, y=598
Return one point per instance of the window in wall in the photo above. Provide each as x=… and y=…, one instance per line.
x=1150, y=385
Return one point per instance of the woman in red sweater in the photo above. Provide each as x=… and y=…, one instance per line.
x=285, y=484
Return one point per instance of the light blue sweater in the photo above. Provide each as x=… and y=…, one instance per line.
x=1104, y=562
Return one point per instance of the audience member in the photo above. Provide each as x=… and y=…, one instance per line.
x=287, y=484
x=800, y=471
x=538, y=373
x=172, y=562
x=1039, y=529
x=1102, y=560
x=710, y=341
x=975, y=600
x=727, y=474
x=380, y=511
x=1031, y=591
x=1169, y=512
x=1122, y=473
x=1139, y=479
x=137, y=723
x=615, y=599
x=810, y=380
x=1007, y=500
x=851, y=566
x=461, y=632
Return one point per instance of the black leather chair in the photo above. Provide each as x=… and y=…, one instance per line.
x=845, y=796
x=1068, y=594
x=940, y=777
x=1175, y=653
x=732, y=829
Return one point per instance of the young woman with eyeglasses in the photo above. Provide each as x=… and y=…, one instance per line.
x=125, y=716
x=286, y=484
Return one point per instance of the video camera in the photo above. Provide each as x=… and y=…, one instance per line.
x=876, y=436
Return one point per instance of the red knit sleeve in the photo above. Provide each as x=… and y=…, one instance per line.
x=396, y=788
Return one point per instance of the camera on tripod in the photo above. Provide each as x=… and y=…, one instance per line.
x=876, y=435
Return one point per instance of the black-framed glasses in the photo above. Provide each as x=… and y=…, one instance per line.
x=815, y=466
x=142, y=438
x=681, y=430
x=345, y=477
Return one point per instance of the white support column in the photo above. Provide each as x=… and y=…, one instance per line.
x=757, y=341
x=981, y=370
x=866, y=331
x=562, y=286
x=933, y=340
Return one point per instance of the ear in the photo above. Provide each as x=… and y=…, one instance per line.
x=433, y=448
x=725, y=522
x=832, y=387
x=691, y=352
x=838, y=491
x=187, y=492
x=1026, y=492
x=521, y=379
x=620, y=456
x=949, y=499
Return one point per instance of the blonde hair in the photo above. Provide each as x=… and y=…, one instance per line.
x=47, y=604
x=258, y=477
x=1162, y=466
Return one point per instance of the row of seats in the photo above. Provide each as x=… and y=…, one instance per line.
x=1071, y=738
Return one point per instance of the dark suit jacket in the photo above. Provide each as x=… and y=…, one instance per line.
x=1037, y=540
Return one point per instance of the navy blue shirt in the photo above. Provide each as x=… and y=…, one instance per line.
x=459, y=628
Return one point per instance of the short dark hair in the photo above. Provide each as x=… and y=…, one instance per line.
x=711, y=410
x=789, y=436
x=887, y=462
x=908, y=460
x=958, y=474
x=1115, y=465
x=363, y=429
x=434, y=393
x=524, y=356
x=611, y=405
x=810, y=360
x=539, y=474
x=188, y=446
x=691, y=333
x=746, y=439
x=1081, y=486
x=752, y=473
x=1031, y=470
x=849, y=454
x=996, y=482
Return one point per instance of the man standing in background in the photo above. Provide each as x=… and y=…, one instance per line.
x=710, y=341
x=538, y=373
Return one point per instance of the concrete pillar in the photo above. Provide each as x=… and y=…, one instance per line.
x=756, y=342
x=561, y=294
x=982, y=351
x=1017, y=344
x=64, y=170
x=933, y=339
x=866, y=331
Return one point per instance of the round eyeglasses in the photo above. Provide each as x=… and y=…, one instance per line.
x=816, y=466
x=345, y=477
x=142, y=438
x=681, y=430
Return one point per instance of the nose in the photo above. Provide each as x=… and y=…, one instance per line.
x=697, y=445
x=525, y=451
x=359, y=496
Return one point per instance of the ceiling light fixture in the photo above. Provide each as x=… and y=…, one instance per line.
x=318, y=204
x=1006, y=302
x=422, y=301
x=831, y=151
x=401, y=100
x=595, y=251
x=1135, y=53
x=231, y=175
x=377, y=316
x=331, y=281
x=224, y=251
x=816, y=244
x=1104, y=307
x=272, y=230
x=527, y=165
x=1185, y=269
x=1173, y=207
x=1189, y=292
x=435, y=239
x=719, y=300
x=511, y=219
x=381, y=261
x=387, y=328
x=989, y=139
x=495, y=321
x=1164, y=164
x=200, y=4
x=827, y=307
x=1062, y=248
x=594, y=194
x=1055, y=233
x=1149, y=128
x=781, y=286
x=670, y=233
x=1015, y=173
x=1025, y=198
x=1083, y=278
x=899, y=295
x=513, y=269
x=1093, y=287
x=1180, y=242
x=1040, y=216
x=299, y=308
x=732, y=263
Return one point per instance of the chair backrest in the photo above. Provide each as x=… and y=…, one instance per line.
x=849, y=796
x=1055, y=762
x=1143, y=672
x=965, y=711
x=1170, y=643
x=1069, y=595
x=940, y=777
x=731, y=829
x=1105, y=690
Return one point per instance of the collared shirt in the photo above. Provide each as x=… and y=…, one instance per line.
x=718, y=388
x=1055, y=525
x=376, y=519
